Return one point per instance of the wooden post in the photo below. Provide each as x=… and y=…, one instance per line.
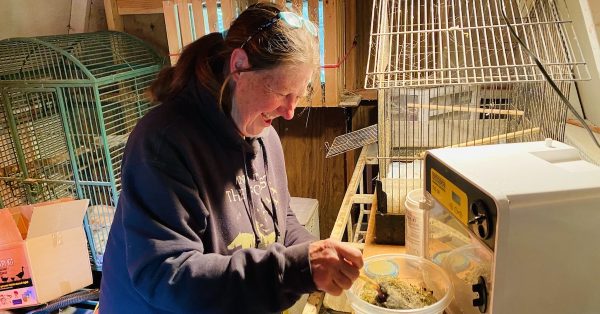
x=351, y=76
x=80, y=10
x=317, y=95
x=185, y=25
x=332, y=33
x=198, y=18
x=171, y=26
x=114, y=20
x=211, y=7
x=227, y=11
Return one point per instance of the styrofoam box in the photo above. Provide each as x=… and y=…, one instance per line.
x=307, y=212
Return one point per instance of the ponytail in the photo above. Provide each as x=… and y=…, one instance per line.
x=201, y=61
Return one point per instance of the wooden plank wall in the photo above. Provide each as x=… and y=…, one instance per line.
x=149, y=28
x=312, y=175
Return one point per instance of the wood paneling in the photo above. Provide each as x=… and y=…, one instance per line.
x=150, y=28
x=310, y=174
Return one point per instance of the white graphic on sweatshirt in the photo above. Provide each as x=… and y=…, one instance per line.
x=243, y=240
x=257, y=185
x=266, y=234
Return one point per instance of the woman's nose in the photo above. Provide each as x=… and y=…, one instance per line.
x=287, y=109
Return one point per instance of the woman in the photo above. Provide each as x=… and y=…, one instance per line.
x=203, y=223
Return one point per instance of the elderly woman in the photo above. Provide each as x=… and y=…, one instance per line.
x=203, y=223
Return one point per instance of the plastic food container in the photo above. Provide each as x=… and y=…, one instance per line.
x=464, y=266
x=408, y=268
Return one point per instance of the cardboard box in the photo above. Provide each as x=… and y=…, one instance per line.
x=43, y=252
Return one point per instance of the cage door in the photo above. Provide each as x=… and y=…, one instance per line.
x=35, y=155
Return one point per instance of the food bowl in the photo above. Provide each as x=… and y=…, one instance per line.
x=417, y=272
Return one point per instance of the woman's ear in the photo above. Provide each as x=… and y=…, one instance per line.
x=237, y=62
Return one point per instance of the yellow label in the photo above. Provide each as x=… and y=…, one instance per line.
x=450, y=196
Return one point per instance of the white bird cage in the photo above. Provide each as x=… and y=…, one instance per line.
x=450, y=74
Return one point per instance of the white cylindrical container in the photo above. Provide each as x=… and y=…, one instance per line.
x=418, y=203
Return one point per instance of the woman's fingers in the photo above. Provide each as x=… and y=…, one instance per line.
x=334, y=265
x=350, y=272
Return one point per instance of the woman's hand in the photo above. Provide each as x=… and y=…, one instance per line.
x=334, y=265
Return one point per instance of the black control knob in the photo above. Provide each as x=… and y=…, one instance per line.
x=482, y=300
x=480, y=223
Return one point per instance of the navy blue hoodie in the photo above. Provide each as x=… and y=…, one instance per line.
x=203, y=223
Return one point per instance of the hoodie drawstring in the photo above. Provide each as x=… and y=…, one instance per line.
x=249, y=204
x=273, y=212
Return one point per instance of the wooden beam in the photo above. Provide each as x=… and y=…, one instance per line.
x=198, y=18
x=497, y=138
x=185, y=25
x=467, y=109
x=350, y=77
x=113, y=19
x=227, y=12
x=171, y=27
x=363, y=198
x=366, y=94
x=317, y=93
x=211, y=10
x=332, y=52
x=344, y=213
x=128, y=7
x=595, y=129
x=80, y=11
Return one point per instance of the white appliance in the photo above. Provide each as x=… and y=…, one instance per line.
x=517, y=227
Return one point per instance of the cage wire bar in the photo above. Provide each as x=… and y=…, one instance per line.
x=444, y=42
x=450, y=75
x=414, y=120
x=68, y=105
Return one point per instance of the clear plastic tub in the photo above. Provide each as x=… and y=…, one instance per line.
x=410, y=269
x=464, y=266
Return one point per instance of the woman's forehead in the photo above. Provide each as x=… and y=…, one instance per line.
x=288, y=75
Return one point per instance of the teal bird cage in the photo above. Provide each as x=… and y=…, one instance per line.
x=69, y=103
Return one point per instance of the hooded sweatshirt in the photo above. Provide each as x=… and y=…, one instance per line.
x=203, y=223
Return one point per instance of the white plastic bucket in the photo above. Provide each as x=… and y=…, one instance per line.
x=409, y=268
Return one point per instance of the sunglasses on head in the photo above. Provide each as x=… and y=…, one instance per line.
x=291, y=19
